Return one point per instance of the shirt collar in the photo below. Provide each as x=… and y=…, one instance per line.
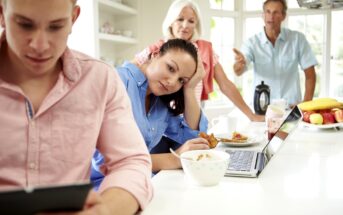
x=282, y=35
x=71, y=66
x=136, y=73
x=264, y=38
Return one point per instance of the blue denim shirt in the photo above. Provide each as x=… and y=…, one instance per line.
x=156, y=123
x=277, y=65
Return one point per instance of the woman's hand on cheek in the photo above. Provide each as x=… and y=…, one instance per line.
x=198, y=75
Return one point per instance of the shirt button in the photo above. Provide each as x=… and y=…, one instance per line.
x=153, y=129
x=33, y=123
x=32, y=165
x=139, y=82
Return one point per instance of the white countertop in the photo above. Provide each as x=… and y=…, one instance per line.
x=304, y=177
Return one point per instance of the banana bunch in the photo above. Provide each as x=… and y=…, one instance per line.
x=320, y=104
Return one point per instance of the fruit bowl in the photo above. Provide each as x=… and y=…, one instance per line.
x=323, y=126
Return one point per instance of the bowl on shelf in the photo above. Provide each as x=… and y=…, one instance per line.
x=205, y=167
x=127, y=33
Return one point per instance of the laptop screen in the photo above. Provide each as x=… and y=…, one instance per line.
x=284, y=130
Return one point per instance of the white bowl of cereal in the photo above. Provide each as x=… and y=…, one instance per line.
x=205, y=167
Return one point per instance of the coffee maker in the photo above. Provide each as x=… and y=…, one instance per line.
x=261, y=98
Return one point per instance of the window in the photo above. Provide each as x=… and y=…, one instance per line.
x=336, y=57
x=222, y=4
x=251, y=5
x=222, y=41
x=313, y=27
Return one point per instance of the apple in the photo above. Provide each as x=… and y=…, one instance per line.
x=316, y=118
x=339, y=115
x=306, y=115
x=328, y=118
x=324, y=111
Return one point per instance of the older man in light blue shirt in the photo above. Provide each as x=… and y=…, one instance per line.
x=276, y=53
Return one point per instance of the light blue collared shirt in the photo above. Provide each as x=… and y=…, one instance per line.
x=277, y=65
x=158, y=122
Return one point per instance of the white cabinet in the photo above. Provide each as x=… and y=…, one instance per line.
x=107, y=29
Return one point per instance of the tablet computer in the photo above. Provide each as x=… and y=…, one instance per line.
x=44, y=199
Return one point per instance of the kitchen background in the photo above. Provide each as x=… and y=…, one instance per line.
x=114, y=30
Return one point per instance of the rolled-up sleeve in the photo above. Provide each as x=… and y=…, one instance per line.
x=127, y=163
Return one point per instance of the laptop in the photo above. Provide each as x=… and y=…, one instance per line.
x=251, y=163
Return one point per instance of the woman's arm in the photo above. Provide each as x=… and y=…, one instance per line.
x=164, y=161
x=169, y=161
x=231, y=91
x=192, y=106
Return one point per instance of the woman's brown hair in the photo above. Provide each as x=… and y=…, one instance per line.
x=175, y=101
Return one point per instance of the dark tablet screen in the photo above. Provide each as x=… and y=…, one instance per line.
x=50, y=199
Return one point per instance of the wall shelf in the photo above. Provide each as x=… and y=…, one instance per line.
x=116, y=8
x=117, y=38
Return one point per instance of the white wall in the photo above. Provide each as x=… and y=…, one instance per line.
x=151, y=16
x=82, y=36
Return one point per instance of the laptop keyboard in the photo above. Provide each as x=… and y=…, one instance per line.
x=240, y=160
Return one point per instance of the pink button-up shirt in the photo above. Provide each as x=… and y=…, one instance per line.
x=87, y=108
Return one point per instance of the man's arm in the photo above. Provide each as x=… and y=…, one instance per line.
x=240, y=63
x=120, y=201
x=310, y=83
x=111, y=201
x=127, y=163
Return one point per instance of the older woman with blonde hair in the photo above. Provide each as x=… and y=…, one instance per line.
x=183, y=20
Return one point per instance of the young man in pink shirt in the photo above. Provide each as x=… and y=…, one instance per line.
x=58, y=105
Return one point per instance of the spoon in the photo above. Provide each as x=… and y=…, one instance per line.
x=178, y=156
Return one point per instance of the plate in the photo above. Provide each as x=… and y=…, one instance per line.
x=251, y=141
x=326, y=126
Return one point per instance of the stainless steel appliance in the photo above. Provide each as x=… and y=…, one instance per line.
x=318, y=4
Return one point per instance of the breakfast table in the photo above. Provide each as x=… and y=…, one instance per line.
x=304, y=177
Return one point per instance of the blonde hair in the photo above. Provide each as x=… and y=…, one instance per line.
x=173, y=13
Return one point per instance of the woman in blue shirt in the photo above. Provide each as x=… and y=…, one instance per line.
x=164, y=104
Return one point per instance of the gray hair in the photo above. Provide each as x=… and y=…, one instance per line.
x=174, y=11
x=283, y=2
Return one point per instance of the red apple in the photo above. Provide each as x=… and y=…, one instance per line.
x=339, y=115
x=328, y=118
x=324, y=111
x=306, y=116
